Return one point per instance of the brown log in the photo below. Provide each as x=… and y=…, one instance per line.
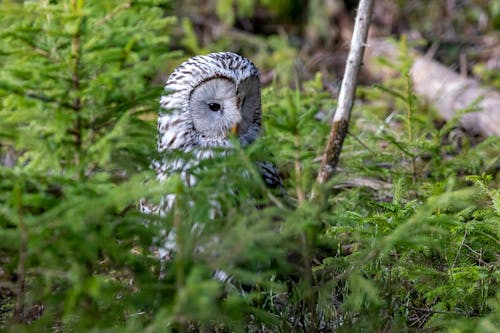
x=446, y=90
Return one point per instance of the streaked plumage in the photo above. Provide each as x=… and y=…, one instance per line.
x=206, y=97
x=186, y=123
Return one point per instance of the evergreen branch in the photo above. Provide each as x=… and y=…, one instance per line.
x=75, y=76
x=115, y=12
x=459, y=249
x=391, y=92
x=343, y=113
x=42, y=98
x=20, y=92
x=22, y=252
x=36, y=48
x=298, y=169
x=264, y=188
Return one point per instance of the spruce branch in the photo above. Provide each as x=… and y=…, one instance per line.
x=340, y=123
x=115, y=12
x=19, y=310
x=75, y=79
x=19, y=91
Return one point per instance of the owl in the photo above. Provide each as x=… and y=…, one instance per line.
x=208, y=98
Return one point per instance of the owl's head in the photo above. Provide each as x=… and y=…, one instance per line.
x=209, y=98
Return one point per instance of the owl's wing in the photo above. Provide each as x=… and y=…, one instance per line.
x=270, y=175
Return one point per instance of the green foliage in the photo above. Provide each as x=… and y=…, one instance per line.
x=490, y=76
x=404, y=238
x=75, y=89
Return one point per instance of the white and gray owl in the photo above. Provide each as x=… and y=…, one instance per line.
x=208, y=97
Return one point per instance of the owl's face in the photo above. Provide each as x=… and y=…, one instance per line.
x=212, y=97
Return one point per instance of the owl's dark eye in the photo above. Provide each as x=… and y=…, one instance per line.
x=214, y=106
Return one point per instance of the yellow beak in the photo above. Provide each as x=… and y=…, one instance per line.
x=234, y=129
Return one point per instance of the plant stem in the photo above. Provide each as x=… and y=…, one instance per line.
x=75, y=79
x=21, y=265
x=411, y=107
x=298, y=170
x=304, y=237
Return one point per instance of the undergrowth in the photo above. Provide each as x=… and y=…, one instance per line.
x=403, y=238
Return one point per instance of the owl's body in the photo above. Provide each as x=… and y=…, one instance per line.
x=208, y=98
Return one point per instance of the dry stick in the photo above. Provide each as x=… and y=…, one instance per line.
x=340, y=123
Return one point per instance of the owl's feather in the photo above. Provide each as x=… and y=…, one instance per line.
x=206, y=97
x=183, y=124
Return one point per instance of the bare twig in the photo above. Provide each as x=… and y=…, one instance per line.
x=358, y=140
x=340, y=123
x=75, y=79
x=459, y=249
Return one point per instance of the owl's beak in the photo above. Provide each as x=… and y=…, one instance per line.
x=234, y=129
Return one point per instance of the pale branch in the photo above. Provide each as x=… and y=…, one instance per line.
x=340, y=124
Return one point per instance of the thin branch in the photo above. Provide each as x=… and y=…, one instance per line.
x=361, y=142
x=115, y=12
x=23, y=93
x=44, y=99
x=340, y=123
x=459, y=249
x=298, y=170
x=21, y=265
x=410, y=106
x=460, y=313
x=75, y=79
